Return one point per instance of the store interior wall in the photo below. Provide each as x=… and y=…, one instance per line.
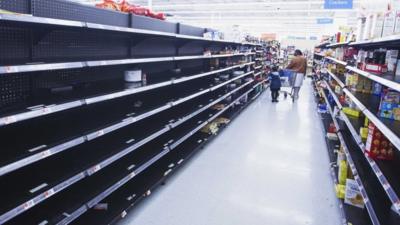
x=300, y=44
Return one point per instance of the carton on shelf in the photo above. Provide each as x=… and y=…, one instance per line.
x=377, y=26
x=389, y=24
x=377, y=145
x=353, y=194
x=390, y=105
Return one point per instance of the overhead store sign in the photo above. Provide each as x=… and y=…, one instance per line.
x=338, y=4
x=324, y=20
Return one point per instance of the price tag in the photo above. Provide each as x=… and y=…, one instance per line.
x=28, y=204
x=10, y=119
x=123, y=214
x=47, y=110
x=95, y=168
x=46, y=153
x=386, y=186
x=131, y=175
x=11, y=69
x=49, y=193
x=100, y=133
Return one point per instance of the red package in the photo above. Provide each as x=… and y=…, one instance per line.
x=109, y=4
x=377, y=145
x=332, y=128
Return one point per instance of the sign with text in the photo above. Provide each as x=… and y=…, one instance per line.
x=324, y=20
x=338, y=4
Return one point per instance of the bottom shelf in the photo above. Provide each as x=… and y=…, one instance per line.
x=116, y=205
x=350, y=214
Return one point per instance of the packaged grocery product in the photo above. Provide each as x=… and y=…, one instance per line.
x=389, y=24
x=378, y=25
x=351, y=111
x=353, y=194
x=390, y=105
x=340, y=190
x=376, y=88
x=377, y=145
x=332, y=136
x=342, y=172
x=364, y=133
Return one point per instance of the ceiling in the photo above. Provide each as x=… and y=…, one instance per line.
x=284, y=17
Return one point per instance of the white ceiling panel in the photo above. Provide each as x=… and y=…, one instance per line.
x=255, y=16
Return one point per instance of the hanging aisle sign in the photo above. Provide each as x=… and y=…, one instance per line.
x=338, y=4
x=324, y=20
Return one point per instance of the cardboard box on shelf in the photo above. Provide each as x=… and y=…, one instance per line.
x=389, y=105
x=377, y=27
x=391, y=59
x=377, y=145
x=389, y=24
x=353, y=194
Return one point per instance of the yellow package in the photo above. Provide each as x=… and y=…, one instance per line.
x=342, y=173
x=340, y=190
x=366, y=122
x=364, y=132
x=351, y=111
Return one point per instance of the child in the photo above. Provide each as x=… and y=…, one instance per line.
x=275, y=83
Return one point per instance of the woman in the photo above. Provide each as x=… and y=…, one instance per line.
x=299, y=66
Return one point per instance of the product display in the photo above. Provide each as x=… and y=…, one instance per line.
x=361, y=92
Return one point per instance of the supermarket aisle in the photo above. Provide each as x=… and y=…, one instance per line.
x=269, y=167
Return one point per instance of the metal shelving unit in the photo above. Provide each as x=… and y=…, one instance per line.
x=75, y=133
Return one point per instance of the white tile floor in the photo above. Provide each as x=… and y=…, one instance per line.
x=269, y=167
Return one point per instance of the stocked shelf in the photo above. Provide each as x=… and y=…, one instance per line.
x=340, y=44
x=350, y=214
x=387, y=80
x=337, y=61
x=388, y=41
x=388, y=186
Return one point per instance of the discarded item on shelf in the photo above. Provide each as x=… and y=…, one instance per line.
x=351, y=111
x=2, y=11
x=222, y=120
x=224, y=77
x=101, y=206
x=238, y=73
x=332, y=128
x=332, y=136
x=218, y=106
x=138, y=104
x=342, y=172
x=353, y=194
x=340, y=190
x=133, y=76
x=340, y=155
x=124, y=6
x=211, y=128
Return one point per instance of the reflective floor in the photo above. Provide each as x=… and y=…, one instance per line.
x=269, y=167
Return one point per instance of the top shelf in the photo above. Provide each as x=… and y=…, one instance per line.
x=22, y=19
x=336, y=45
x=393, y=40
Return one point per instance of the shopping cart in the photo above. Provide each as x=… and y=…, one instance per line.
x=287, y=80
